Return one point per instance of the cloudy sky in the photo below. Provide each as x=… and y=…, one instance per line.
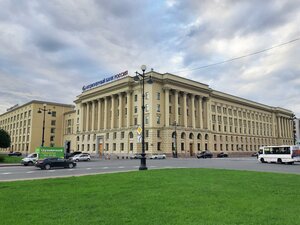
x=49, y=49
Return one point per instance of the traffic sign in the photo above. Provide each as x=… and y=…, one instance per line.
x=139, y=138
x=139, y=130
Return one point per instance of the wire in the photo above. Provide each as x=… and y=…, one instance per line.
x=239, y=57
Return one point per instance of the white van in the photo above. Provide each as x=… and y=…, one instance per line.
x=29, y=160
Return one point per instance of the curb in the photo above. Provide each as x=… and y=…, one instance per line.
x=9, y=164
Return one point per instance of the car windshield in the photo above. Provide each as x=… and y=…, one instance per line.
x=32, y=155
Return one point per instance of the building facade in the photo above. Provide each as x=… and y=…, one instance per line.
x=181, y=115
x=24, y=124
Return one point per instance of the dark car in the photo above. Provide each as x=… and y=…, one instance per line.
x=204, y=155
x=14, y=154
x=48, y=163
x=222, y=155
x=136, y=156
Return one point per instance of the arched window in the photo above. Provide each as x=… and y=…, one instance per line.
x=206, y=136
x=182, y=135
x=191, y=136
x=199, y=136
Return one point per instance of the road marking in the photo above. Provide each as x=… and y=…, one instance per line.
x=121, y=167
x=51, y=171
x=30, y=172
x=88, y=168
x=153, y=166
x=6, y=173
x=105, y=168
x=70, y=169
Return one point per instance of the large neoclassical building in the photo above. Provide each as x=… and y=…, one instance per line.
x=108, y=114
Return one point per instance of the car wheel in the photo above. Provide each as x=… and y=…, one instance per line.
x=279, y=161
x=88, y=159
x=71, y=165
x=47, y=167
x=30, y=163
x=262, y=160
x=77, y=160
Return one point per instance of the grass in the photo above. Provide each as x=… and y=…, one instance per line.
x=11, y=159
x=177, y=196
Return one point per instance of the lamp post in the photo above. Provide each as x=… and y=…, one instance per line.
x=175, y=140
x=44, y=110
x=141, y=77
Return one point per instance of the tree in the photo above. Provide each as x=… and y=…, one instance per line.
x=4, y=139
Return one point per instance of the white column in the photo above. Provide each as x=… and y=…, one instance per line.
x=93, y=116
x=81, y=117
x=167, y=114
x=128, y=108
x=112, y=112
x=279, y=126
x=176, y=106
x=200, y=113
x=193, y=111
x=87, y=116
x=99, y=114
x=105, y=113
x=120, y=109
x=184, y=109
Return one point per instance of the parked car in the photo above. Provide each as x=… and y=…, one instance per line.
x=29, y=160
x=81, y=157
x=15, y=154
x=136, y=156
x=204, y=154
x=222, y=155
x=158, y=156
x=71, y=154
x=48, y=163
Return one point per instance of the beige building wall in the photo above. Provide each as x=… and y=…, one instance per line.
x=108, y=117
x=25, y=124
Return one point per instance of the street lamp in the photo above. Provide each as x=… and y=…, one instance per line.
x=175, y=140
x=141, y=77
x=49, y=112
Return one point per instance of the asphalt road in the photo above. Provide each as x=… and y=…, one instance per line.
x=110, y=166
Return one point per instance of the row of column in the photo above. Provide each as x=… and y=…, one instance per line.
x=285, y=127
x=101, y=113
x=202, y=110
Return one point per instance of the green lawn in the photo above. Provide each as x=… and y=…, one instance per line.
x=174, y=196
x=11, y=159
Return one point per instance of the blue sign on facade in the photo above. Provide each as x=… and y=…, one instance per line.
x=105, y=80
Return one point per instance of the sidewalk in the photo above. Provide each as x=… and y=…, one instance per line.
x=10, y=164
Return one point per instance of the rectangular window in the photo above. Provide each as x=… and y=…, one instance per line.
x=114, y=146
x=122, y=134
x=135, y=98
x=115, y=135
x=158, y=146
x=158, y=119
x=53, y=113
x=146, y=146
x=51, y=138
x=135, y=109
x=158, y=96
x=146, y=119
x=52, y=130
x=135, y=121
x=147, y=133
x=147, y=95
x=158, y=108
x=158, y=133
x=53, y=122
x=131, y=146
x=122, y=146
